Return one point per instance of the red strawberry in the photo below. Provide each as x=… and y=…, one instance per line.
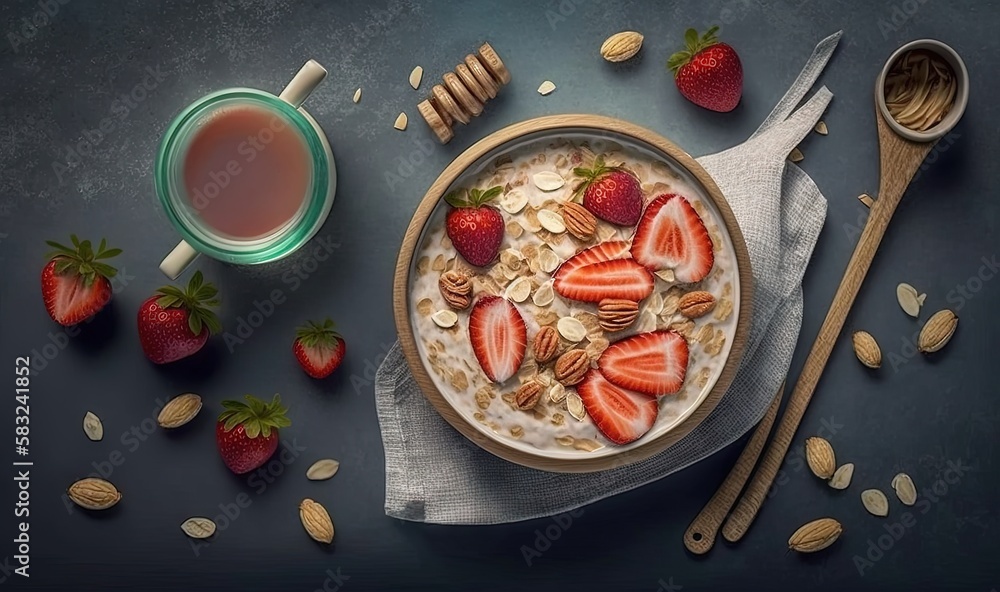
x=475, y=228
x=611, y=193
x=318, y=348
x=622, y=415
x=650, y=363
x=176, y=323
x=618, y=278
x=605, y=251
x=247, y=433
x=75, y=283
x=708, y=73
x=499, y=337
x=671, y=235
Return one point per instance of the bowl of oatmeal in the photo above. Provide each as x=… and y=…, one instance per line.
x=573, y=293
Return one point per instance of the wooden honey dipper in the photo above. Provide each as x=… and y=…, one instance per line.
x=464, y=92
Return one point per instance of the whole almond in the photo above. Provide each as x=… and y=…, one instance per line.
x=866, y=349
x=615, y=314
x=94, y=494
x=815, y=536
x=820, y=457
x=696, y=304
x=546, y=344
x=456, y=289
x=316, y=521
x=938, y=331
x=578, y=220
x=179, y=410
x=572, y=366
x=621, y=46
x=528, y=395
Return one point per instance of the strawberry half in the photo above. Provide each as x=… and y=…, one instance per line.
x=475, y=228
x=75, y=283
x=708, y=73
x=622, y=415
x=605, y=251
x=611, y=193
x=650, y=363
x=319, y=348
x=247, y=433
x=618, y=278
x=671, y=235
x=176, y=323
x=499, y=337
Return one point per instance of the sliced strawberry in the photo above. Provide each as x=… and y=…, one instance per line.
x=671, y=235
x=622, y=415
x=650, y=363
x=605, y=251
x=499, y=337
x=618, y=278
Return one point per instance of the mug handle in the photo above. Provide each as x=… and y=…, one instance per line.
x=177, y=260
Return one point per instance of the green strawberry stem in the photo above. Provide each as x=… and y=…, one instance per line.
x=81, y=260
x=257, y=417
x=197, y=298
x=471, y=198
x=314, y=334
x=595, y=172
x=694, y=44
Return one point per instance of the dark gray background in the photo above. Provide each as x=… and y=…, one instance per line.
x=914, y=415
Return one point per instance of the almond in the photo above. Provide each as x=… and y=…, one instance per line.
x=842, y=477
x=572, y=366
x=316, y=521
x=179, y=410
x=820, y=457
x=198, y=527
x=815, y=536
x=615, y=314
x=866, y=349
x=579, y=221
x=94, y=494
x=546, y=344
x=696, y=304
x=621, y=46
x=875, y=502
x=906, y=491
x=938, y=331
x=528, y=395
x=456, y=289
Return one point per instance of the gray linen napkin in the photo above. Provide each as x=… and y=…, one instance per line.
x=433, y=474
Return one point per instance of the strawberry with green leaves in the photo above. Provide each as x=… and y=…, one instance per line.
x=475, y=227
x=76, y=282
x=247, y=433
x=708, y=73
x=176, y=323
x=612, y=193
x=319, y=348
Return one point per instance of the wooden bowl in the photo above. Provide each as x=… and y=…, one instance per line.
x=600, y=129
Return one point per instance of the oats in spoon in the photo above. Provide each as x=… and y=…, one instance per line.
x=920, y=90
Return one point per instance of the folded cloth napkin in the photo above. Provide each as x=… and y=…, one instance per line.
x=433, y=474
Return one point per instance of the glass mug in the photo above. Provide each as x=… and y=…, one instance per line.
x=227, y=196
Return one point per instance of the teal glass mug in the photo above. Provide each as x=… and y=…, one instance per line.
x=228, y=196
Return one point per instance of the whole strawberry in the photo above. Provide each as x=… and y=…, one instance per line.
x=611, y=193
x=319, y=348
x=75, y=283
x=247, y=433
x=176, y=323
x=474, y=227
x=708, y=73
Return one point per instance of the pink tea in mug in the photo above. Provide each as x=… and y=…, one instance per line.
x=246, y=172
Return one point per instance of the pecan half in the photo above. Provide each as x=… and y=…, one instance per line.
x=615, y=314
x=572, y=366
x=696, y=304
x=528, y=395
x=546, y=344
x=456, y=288
x=578, y=220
